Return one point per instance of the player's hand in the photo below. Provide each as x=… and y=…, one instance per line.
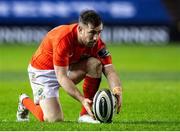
x=118, y=94
x=119, y=102
x=85, y=102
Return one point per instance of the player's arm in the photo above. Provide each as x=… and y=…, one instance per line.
x=110, y=73
x=70, y=88
x=114, y=83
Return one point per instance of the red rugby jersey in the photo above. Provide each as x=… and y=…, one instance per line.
x=60, y=47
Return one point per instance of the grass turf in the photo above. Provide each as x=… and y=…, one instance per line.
x=151, y=80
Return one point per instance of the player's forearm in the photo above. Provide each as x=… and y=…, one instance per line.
x=66, y=83
x=113, y=79
x=70, y=88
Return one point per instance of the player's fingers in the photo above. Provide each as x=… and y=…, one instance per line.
x=119, y=99
x=90, y=112
x=87, y=106
x=118, y=109
x=89, y=101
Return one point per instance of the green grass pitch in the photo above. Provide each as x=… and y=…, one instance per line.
x=150, y=77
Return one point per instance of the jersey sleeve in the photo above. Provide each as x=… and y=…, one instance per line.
x=103, y=54
x=61, y=53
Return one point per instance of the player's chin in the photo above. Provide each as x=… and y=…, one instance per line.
x=91, y=44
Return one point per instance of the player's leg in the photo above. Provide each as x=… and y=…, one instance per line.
x=25, y=105
x=90, y=67
x=49, y=109
x=92, y=80
x=46, y=93
x=90, y=70
x=45, y=90
x=52, y=109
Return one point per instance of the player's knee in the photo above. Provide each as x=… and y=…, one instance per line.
x=94, y=64
x=55, y=117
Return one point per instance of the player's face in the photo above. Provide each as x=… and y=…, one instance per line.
x=90, y=34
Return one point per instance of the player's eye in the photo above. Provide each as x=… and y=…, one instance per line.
x=94, y=32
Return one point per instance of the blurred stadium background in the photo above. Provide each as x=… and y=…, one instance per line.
x=143, y=37
x=143, y=21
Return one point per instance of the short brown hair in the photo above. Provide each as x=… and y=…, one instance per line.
x=90, y=16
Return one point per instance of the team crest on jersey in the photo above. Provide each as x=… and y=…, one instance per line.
x=103, y=53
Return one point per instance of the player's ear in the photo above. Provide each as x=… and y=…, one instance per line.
x=79, y=28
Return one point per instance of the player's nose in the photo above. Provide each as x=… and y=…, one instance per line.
x=95, y=38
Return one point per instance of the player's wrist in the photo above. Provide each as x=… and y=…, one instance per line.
x=117, y=91
x=81, y=98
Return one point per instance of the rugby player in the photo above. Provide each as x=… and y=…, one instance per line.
x=67, y=55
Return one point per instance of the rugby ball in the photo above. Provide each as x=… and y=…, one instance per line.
x=104, y=105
